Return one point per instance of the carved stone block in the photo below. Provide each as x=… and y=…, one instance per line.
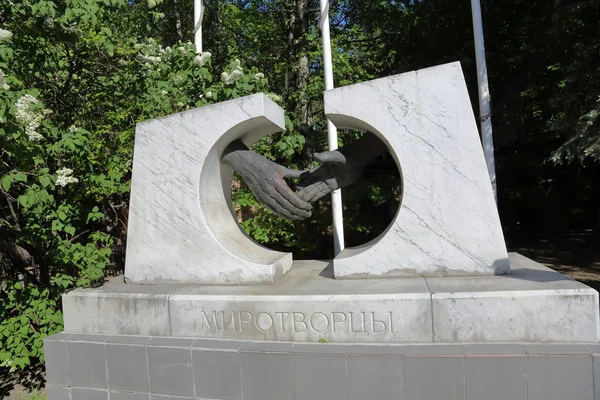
x=447, y=223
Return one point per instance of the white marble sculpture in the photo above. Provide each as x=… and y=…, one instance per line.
x=181, y=224
x=182, y=228
x=447, y=223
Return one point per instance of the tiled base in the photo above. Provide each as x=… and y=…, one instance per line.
x=104, y=367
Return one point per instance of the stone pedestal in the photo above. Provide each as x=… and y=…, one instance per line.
x=532, y=305
x=529, y=335
x=532, y=335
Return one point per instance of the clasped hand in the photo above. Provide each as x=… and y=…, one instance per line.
x=266, y=179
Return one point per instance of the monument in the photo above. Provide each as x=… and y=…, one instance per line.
x=432, y=308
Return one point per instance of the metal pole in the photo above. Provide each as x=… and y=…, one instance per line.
x=336, y=195
x=198, y=16
x=485, y=111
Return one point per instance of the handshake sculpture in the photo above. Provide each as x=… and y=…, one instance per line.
x=266, y=179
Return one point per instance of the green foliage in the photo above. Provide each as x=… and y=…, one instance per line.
x=585, y=143
x=76, y=77
x=33, y=396
x=28, y=315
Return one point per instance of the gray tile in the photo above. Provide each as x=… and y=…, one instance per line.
x=596, y=363
x=58, y=393
x=246, y=346
x=129, y=396
x=594, y=349
x=375, y=377
x=127, y=368
x=433, y=350
x=170, y=371
x=557, y=349
x=319, y=376
x=375, y=349
x=88, y=394
x=560, y=377
x=266, y=376
x=84, y=337
x=171, y=342
x=496, y=378
x=322, y=348
x=58, y=336
x=87, y=365
x=270, y=347
x=492, y=349
x=126, y=339
x=429, y=378
x=157, y=397
x=217, y=374
x=57, y=366
x=217, y=344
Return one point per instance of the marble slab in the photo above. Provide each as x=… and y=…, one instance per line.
x=447, y=223
x=181, y=223
x=533, y=305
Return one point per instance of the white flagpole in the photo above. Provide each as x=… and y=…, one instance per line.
x=485, y=110
x=198, y=17
x=336, y=196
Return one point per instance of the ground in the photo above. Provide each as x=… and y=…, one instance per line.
x=567, y=253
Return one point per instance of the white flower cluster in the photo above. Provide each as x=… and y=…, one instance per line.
x=209, y=95
x=259, y=76
x=31, y=119
x=177, y=79
x=185, y=47
x=236, y=74
x=153, y=53
x=3, y=84
x=5, y=35
x=72, y=129
x=148, y=59
x=153, y=3
x=202, y=58
x=63, y=177
x=274, y=97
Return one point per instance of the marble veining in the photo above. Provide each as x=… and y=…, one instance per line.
x=181, y=225
x=447, y=224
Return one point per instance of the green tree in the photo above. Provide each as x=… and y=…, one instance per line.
x=76, y=77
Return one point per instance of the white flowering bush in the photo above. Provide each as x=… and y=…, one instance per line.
x=74, y=81
x=30, y=116
x=5, y=35
x=181, y=79
x=64, y=177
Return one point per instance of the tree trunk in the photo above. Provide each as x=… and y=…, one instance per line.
x=178, y=24
x=298, y=70
x=304, y=110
